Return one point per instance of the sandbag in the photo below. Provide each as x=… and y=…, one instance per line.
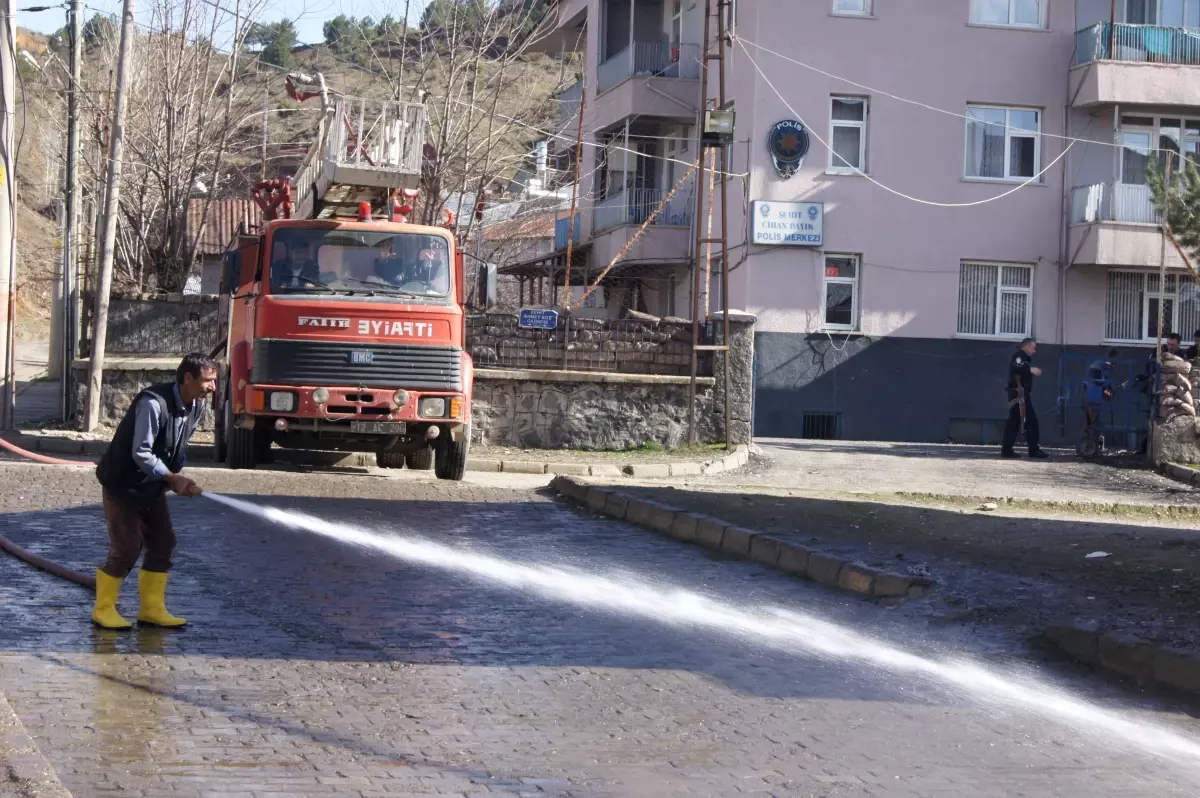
x=1177, y=367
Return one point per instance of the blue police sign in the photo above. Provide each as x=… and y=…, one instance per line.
x=788, y=143
x=537, y=319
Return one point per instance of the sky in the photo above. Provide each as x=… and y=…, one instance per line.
x=309, y=15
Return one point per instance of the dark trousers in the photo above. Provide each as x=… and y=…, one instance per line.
x=131, y=529
x=1013, y=427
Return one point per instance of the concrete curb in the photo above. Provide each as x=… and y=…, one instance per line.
x=742, y=543
x=22, y=765
x=1182, y=473
x=199, y=453
x=1126, y=655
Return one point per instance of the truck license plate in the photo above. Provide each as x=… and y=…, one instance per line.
x=378, y=427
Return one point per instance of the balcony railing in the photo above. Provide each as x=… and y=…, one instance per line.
x=1146, y=44
x=650, y=59
x=1113, y=202
x=562, y=229
x=636, y=205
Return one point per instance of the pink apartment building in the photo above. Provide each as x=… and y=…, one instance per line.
x=951, y=220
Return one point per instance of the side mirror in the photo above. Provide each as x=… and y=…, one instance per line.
x=459, y=276
x=231, y=273
x=488, y=276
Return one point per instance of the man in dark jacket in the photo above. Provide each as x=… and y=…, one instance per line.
x=1019, y=389
x=142, y=462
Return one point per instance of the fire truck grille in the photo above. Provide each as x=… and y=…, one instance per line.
x=288, y=362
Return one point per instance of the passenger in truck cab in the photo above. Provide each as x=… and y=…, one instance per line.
x=294, y=264
x=432, y=270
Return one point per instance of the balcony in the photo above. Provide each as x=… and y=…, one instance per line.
x=1113, y=202
x=636, y=205
x=649, y=60
x=1145, y=64
x=667, y=240
x=1114, y=224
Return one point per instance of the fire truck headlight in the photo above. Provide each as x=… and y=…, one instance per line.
x=432, y=407
x=321, y=395
x=400, y=398
x=283, y=401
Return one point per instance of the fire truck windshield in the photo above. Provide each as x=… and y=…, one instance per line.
x=355, y=261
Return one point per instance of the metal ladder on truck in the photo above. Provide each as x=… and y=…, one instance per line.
x=365, y=150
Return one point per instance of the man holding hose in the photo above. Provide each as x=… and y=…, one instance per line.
x=142, y=462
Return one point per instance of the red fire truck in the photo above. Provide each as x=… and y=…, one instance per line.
x=344, y=323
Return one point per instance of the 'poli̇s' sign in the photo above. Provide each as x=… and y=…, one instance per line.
x=796, y=224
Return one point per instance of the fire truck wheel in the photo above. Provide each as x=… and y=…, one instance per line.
x=239, y=443
x=219, y=442
x=262, y=446
x=420, y=460
x=389, y=459
x=450, y=457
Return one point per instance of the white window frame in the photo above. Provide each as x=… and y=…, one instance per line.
x=1181, y=279
x=1008, y=137
x=868, y=9
x=853, y=282
x=1001, y=290
x=835, y=163
x=1012, y=10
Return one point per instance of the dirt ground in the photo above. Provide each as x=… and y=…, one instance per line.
x=1023, y=564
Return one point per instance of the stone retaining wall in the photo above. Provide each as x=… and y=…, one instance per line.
x=539, y=409
x=161, y=324
x=630, y=346
x=123, y=380
x=574, y=410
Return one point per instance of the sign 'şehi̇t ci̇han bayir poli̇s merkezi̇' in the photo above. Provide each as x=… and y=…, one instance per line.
x=796, y=224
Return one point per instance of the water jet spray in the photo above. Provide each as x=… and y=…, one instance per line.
x=772, y=627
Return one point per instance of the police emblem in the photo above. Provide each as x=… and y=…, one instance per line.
x=788, y=143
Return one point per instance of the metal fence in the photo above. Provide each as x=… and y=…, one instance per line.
x=630, y=346
x=634, y=206
x=1147, y=44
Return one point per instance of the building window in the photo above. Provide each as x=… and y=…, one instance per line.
x=1002, y=143
x=848, y=133
x=1010, y=13
x=995, y=299
x=1167, y=13
x=839, y=299
x=861, y=8
x=1132, y=304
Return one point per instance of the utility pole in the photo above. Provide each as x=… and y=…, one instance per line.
x=265, y=121
x=716, y=131
x=108, y=242
x=8, y=214
x=70, y=289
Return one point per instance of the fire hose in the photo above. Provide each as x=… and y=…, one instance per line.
x=81, y=579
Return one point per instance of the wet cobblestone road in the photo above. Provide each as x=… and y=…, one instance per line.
x=311, y=668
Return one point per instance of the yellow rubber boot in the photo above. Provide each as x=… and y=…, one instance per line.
x=105, y=614
x=152, y=590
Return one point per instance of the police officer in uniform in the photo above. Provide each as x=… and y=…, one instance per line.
x=1019, y=388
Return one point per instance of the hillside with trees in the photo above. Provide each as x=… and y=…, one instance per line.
x=199, y=113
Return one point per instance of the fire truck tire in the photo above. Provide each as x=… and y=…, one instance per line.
x=239, y=443
x=450, y=457
x=262, y=446
x=389, y=459
x=219, y=442
x=420, y=460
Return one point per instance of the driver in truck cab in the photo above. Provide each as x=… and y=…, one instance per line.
x=294, y=264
